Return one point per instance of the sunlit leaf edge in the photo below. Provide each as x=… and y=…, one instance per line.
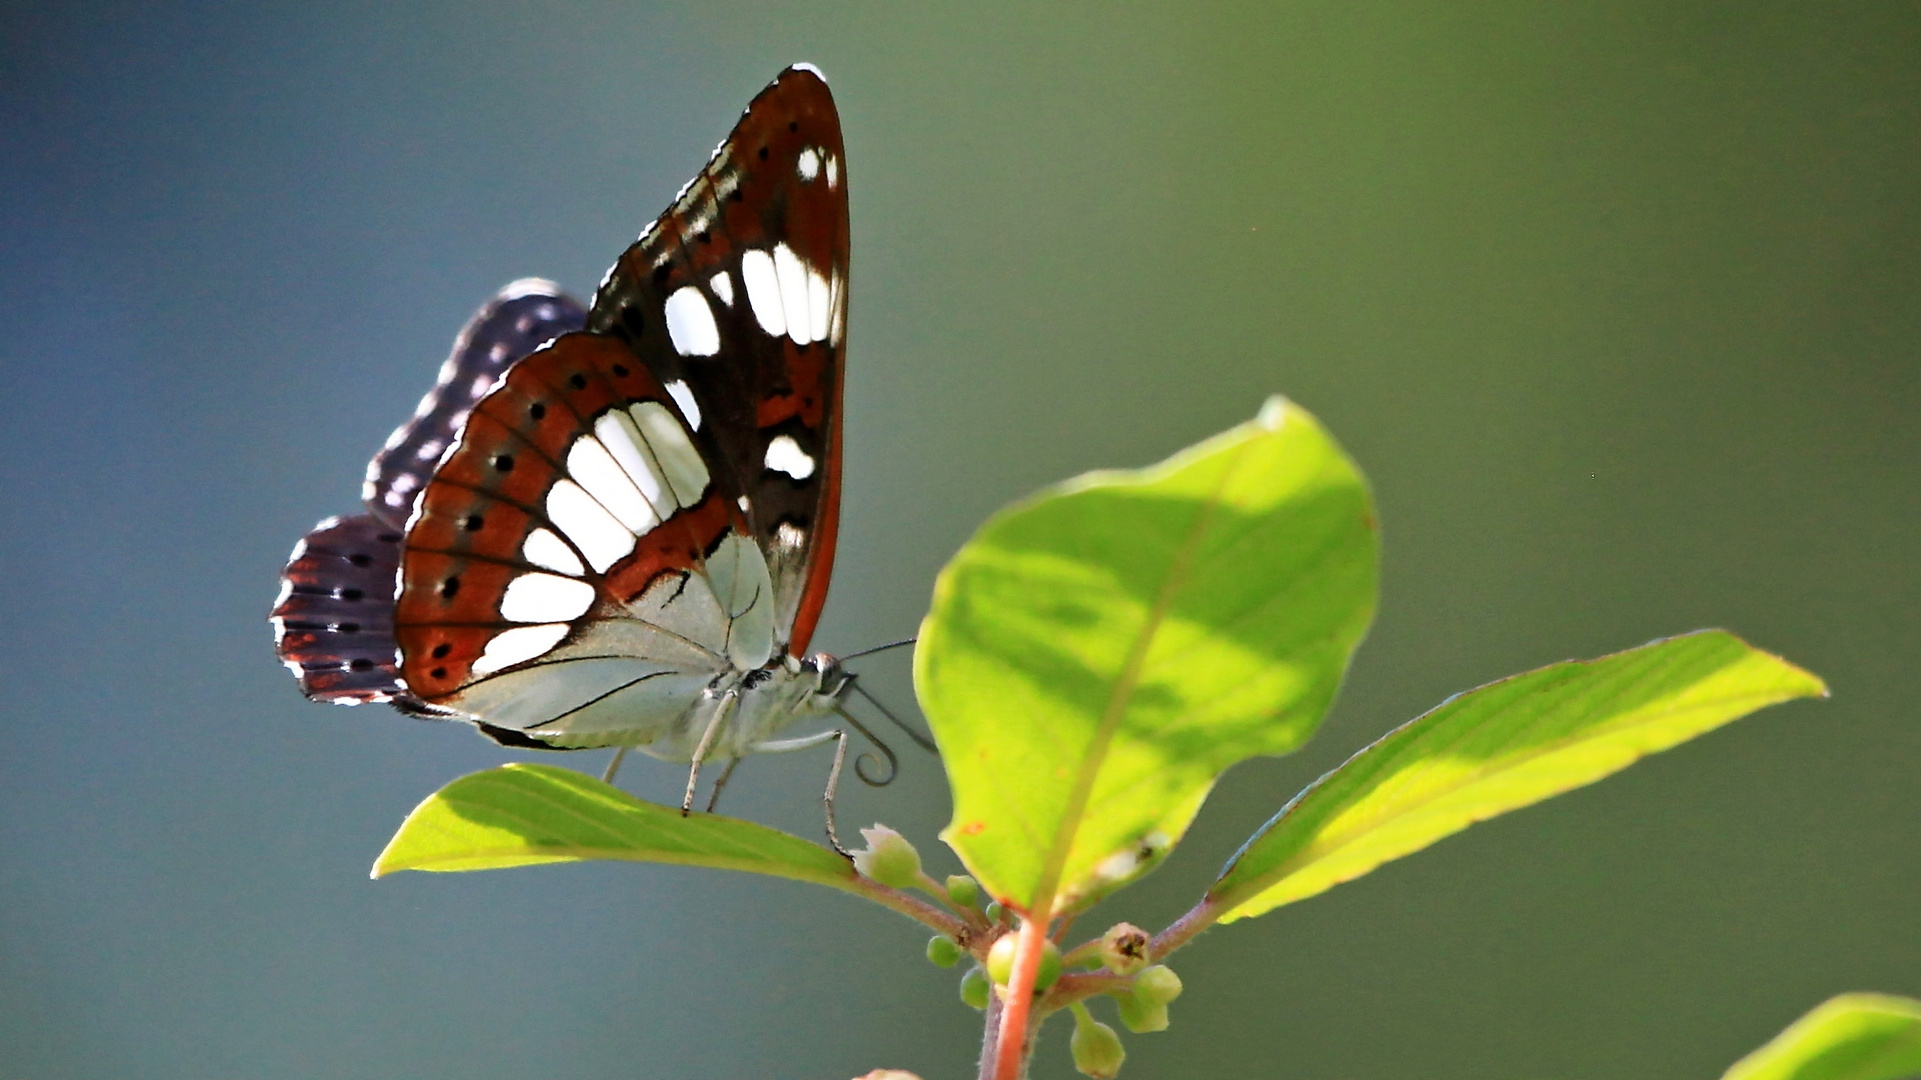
x=446, y=833
x=1856, y=1036
x=1236, y=897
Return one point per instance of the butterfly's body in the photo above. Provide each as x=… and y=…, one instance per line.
x=624, y=538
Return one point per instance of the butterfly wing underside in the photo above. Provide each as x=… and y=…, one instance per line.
x=640, y=508
x=333, y=623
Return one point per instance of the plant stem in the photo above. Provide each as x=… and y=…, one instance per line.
x=989, y=1036
x=1182, y=930
x=1011, y=1043
x=909, y=905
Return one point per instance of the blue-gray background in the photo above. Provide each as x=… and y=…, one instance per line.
x=1616, y=303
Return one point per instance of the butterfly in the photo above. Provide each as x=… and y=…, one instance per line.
x=614, y=526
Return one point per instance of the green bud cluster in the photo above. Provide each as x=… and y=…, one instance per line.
x=1097, y=1050
x=975, y=988
x=1124, y=949
x=943, y=951
x=1143, y=1007
x=963, y=890
x=1000, y=962
x=888, y=858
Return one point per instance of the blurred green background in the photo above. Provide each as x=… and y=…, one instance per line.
x=1617, y=304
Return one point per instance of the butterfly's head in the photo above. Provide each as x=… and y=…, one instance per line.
x=833, y=679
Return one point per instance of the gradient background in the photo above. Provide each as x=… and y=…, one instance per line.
x=1617, y=304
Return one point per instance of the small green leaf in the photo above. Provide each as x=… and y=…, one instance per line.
x=1850, y=1037
x=1498, y=748
x=520, y=815
x=1097, y=655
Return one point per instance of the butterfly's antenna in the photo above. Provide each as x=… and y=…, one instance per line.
x=860, y=763
x=923, y=741
x=878, y=648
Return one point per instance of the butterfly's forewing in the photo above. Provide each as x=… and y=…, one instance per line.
x=514, y=323
x=575, y=567
x=738, y=293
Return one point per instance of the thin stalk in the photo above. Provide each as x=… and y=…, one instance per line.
x=908, y=904
x=1011, y=1043
x=1182, y=930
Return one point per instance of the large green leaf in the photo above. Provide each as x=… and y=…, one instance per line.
x=1098, y=654
x=1499, y=748
x=1850, y=1037
x=519, y=815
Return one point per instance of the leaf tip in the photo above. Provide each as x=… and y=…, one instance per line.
x=1273, y=413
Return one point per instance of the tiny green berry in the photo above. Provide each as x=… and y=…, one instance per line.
x=993, y=912
x=963, y=890
x=1157, y=984
x=888, y=858
x=975, y=988
x=942, y=951
x=1141, y=1016
x=1000, y=962
x=1124, y=949
x=1097, y=1050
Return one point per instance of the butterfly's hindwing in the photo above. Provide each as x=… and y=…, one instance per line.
x=515, y=322
x=333, y=625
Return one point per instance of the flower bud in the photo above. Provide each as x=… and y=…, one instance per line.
x=1140, y=1015
x=1000, y=962
x=963, y=890
x=1097, y=1050
x=1157, y=984
x=888, y=858
x=1124, y=949
x=942, y=951
x=974, y=989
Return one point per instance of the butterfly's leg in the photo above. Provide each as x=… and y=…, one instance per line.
x=700, y=752
x=614, y=765
x=714, y=798
x=833, y=783
x=782, y=746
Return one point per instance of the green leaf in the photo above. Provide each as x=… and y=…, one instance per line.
x=1498, y=748
x=1850, y=1037
x=1098, y=654
x=520, y=815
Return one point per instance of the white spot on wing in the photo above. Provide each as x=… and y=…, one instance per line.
x=809, y=164
x=545, y=598
x=680, y=463
x=684, y=398
x=763, y=292
x=785, y=455
x=594, y=468
x=789, y=537
x=522, y=643
x=723, y=286
x=592, y=529
x=819, y=304
x=543, y=548
x=792, y=275
x=833, y=171
x=690, y=323
x=624, y=441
